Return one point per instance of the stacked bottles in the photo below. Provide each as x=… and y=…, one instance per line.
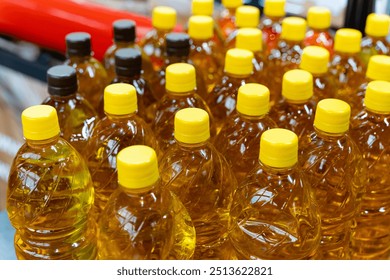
x=296, y=109
x=76, y=116
x=333, y=164
x=120, y=128
x=200, y=176
x=375, y=41
x=239, y=137
x=271, y=25
x=91, y=75
x=226, y=19
x=319, y=20
x=274, y=214
x=153, y=44
x=143, y=221
x=370, y=130
x=50, y=193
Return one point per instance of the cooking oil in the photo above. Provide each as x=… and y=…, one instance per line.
x=226, y=19
x=271, y=24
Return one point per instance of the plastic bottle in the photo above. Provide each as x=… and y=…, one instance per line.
x=120, y=128
x=153, y=43
x=50, y=193
x=203, y=52
x=274, y=214
x=76, y=115
x=239, y=138
x=375, y=42
x=200, y=176
x=124, y=35
x=251, y=39
x=319, y=20
x=287, y=54
x=180, y=94
x=346, y=67
x=296, y=110
x=143, y=221
x=271, y=25
x=226, y=19
x=246, y=16
x=91, y=75
x=334, y=166
x=370, y=130
x=238, y=70
x=315, y=60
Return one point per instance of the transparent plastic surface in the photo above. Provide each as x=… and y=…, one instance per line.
x=373, y=46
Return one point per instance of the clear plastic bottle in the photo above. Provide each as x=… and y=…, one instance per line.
x=246, y=16
x=296, y=109
x=204, y=54
x=271, y=25
x=375, y=42
x=334, y=166
x=153, y=44
x=315, y=60
x=226, y=19
x=238, y=70
x=124, y=35
x=120, y=128
x=274, y=214
x=346, y=67
x=76, y=115
x=319, y=20
x=180, y=93
x=239, y=138
x=287, y=54
x=142, y=220
x=50, y=193
x=91, y=75
x=200, y=176
x=370, y=130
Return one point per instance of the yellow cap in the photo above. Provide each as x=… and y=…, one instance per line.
x=232, y=3
x=137, y=167
x=347, y=40
x=293, y=29
x=274, y=8
x=377, y=25
x=201, y=27
x=297, y=85
x=378, y=96
x=180, y=77
x=253, y=99
x=319, y=18
x=120, y=99
x=202, y=7
x=247, y=16
x=164, y=17
x=378, y=68
x=332, y=116
x=250, y=39
x=238, y=62
x=40, y=122
x=279, y=148
x=315, y=60
x=192, y=126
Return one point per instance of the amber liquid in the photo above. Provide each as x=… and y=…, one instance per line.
x=110, y=136
x=260, y=70
x=274, y=216
x=371, y=237
x=321, y=38
x=271, y=28
x=239, y=141
x=335, y=169
x=373, y=46
x=145, y=224
x=201, y=178
x=226, y=22
x=49, y=198
x=76, y=117
x=153, y=44
x=324, y=86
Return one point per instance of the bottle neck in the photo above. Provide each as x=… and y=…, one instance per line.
x=171, y=59
x=297, y=102
x=278, y=170
x=63, y=98
x=185, y=93
x=43, y=143
x=141, y=192
x=251, y=118
x=124, y=44
x=192, y=146
x=79, y=58
x=238, y=76
x=320, y=30
x=329, y=137
x=119, y=118
x=121, y=78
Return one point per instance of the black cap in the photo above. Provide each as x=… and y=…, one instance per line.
x=124, y=30
x=78, y=43
x=61, y=80
x=178, y=44
x=128, y=62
